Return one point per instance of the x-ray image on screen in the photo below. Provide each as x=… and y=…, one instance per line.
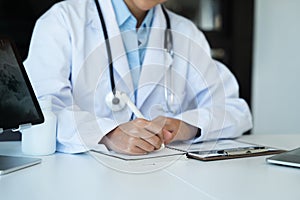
x=16, y=103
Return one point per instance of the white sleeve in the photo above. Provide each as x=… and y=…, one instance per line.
x=49, y=66
x=220, y=112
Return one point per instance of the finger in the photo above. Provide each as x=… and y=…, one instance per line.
x=147, y=130
x=154, y=128
x=157, y=125
x=134, y=131
x=170, y=124
x=154, y=140
x=120, y=142
x=157, y=132
x=130, y=148
x=145, y=146
x=168, y=136
x=135, y=150
x=134, y=128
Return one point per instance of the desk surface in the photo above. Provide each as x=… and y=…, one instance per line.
x=83, y=176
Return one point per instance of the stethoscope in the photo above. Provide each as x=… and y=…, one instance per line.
x=117, y=100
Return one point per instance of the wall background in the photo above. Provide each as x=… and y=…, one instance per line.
x=276, y=75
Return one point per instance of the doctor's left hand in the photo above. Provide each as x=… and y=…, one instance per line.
x=175, y=129
x=136, y=137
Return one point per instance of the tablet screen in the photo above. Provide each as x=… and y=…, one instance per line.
x=289, y=158
x=18, y=104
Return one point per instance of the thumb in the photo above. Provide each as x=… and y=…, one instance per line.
x=168, y=136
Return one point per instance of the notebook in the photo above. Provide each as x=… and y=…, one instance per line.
x=289, y=158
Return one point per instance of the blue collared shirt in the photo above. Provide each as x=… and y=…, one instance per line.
x=135, y=40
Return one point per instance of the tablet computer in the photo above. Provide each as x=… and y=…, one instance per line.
x=19, y=107
x=18, y=103
x=289, y=158
x=10, y=163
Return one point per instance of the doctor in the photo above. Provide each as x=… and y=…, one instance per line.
x=168, y=75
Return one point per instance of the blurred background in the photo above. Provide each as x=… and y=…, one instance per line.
x=257, y=39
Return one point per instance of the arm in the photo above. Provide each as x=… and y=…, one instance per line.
x=220, y=113
x=49, y=66
x=52, y=64
x=211, y=101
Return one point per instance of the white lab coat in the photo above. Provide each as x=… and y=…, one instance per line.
x=67, y=60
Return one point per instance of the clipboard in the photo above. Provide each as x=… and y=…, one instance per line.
x=224, y=154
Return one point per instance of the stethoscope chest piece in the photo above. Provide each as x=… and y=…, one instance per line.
x=115, y=102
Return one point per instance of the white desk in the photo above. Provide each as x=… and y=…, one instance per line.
x=62, y=176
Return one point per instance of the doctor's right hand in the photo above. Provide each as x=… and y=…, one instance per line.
x=136, y=137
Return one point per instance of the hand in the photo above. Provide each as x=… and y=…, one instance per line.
x=134, y=138
x=175, y=130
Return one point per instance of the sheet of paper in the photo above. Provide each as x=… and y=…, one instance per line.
x=156, y=154
x=211, y=145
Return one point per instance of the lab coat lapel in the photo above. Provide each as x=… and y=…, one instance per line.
x=122, y=75
x=156, y=61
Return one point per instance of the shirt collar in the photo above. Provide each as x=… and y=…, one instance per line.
x=124, y=16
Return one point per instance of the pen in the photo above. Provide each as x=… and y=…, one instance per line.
x=131, y=106
x=135, y=110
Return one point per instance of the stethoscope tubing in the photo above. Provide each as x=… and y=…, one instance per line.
x=168, y=45
x=108, y=47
